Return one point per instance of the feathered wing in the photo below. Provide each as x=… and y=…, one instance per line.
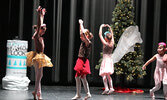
x=126, y=43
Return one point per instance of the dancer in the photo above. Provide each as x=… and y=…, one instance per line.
x=37, y=58
x=165, y=79
x=82, y=66
x=160, y=70
x=107, y=65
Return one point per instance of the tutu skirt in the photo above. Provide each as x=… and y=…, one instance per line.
x=41, y=58
x=82, y=67
x=107, y=65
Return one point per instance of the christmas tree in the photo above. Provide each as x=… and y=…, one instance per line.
x=131, y=63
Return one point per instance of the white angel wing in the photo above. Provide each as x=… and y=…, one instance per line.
x=126, y=43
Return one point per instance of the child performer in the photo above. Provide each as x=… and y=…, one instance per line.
x=107, y=65
x=160, y=70
x=82, y=66
x=37, y=58
x=165, y=79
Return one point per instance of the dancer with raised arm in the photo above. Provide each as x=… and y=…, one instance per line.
x=107, y=65
x=82, y=66
x=37, y=58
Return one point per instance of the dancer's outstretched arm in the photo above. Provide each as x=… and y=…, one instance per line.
x=112, y=34
x=83, y=31
x=100, y=34
x=148, y=62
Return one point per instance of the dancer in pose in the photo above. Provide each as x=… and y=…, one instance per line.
x=37, y=58
x=160, y=70
x=107, y=65
x=165, y=79
x=82, y=66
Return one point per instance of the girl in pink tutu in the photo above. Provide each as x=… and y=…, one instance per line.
x=107, y=65
x=37, y=58
x=160, y=73
x=165, y=79
x=82, y=66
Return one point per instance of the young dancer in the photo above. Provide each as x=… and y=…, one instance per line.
x=165, y=79
x=107, y=65
x=160, y=70
x=82, y=66
x=37, y=58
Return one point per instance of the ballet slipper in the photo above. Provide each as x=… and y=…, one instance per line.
x=39, y=96
x=110, y=91
x=165, y=97
x=76, y=97
x=152, y=95
x=87, y=96
x=34, y=95
x=104, y=92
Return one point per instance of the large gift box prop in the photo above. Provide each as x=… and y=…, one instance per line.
x=16, y=68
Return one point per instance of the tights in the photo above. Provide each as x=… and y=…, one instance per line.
x=85, y=84
x=38, y=77
x=165, y=90
x=156, y=88
x=105, y=77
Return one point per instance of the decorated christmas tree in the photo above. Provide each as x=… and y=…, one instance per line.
x=131, y=64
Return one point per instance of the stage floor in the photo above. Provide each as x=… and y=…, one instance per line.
x=67, y=92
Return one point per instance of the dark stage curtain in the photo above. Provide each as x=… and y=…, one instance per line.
x=62, y=39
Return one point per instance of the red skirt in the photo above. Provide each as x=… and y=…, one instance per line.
x=82, y=67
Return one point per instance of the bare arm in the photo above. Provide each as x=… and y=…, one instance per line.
x=100, y=34
x=112, y=34
x=42, y=15
x=38, y=19
x=87, y=41
x=82, y=32
x=82, y=29
x=34, y=35
x=43, y=45
x=149, y=61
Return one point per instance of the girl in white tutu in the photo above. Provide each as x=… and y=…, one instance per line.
x=107, y=65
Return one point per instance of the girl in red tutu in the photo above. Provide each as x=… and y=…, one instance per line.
x=160, y=73
x=107, y=65
x=37, y=58
x=82, y=66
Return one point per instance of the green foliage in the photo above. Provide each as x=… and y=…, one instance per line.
x=131, y=64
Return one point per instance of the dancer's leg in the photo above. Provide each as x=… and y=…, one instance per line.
x=38, y=75
x=165, y=91
x=105, y=84
x=78, y=88
x=156, y=88
x=34, y=93
x=110, y=84
x=86, y=87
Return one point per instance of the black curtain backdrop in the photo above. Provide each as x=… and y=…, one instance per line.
x=62, y=36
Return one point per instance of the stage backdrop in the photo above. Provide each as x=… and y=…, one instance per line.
x=62, y=36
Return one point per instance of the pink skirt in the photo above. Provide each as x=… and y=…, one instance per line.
x=107, y=66
x=82, y=67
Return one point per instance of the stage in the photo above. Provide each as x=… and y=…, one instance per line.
x=67, y=92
